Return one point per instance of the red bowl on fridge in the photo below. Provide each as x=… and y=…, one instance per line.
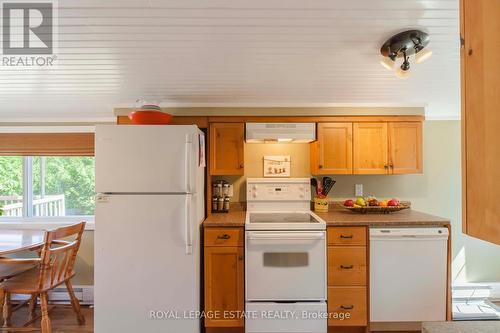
x=150, y=118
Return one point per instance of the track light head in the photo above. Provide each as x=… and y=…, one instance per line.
x=402, y=46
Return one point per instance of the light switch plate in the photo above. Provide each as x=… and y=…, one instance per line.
x=358, y=190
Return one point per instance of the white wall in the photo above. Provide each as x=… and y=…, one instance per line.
x=437, y=191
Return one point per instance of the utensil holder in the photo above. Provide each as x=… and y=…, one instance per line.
x=321, y=205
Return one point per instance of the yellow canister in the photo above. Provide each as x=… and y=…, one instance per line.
x=321, y=205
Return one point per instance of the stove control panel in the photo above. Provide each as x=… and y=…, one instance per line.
x=291, y=189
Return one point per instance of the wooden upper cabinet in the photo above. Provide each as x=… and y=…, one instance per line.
x=227, y=148
x=480, y=24
x=367, y=148
x=333, y=154
x=370, y=148
x=405, y=147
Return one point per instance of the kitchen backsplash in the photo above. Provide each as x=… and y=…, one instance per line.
x=382, y=186
x=254, y=154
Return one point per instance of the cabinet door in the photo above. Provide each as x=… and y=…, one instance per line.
x=481, y=118
x=226, y=148
x=370, y=148
x=351, y=300
x=334, y=148
x=405, y=147
x=224, y=284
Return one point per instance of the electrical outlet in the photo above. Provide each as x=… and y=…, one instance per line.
x=358, y=190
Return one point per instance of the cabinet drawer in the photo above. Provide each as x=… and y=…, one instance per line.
x=347, y=236
x=347, y=300
x=224, y=237
x=347, y=265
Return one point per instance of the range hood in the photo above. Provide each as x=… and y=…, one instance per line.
x=280, y=132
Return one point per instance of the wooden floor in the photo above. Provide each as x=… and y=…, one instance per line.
x=64, y=320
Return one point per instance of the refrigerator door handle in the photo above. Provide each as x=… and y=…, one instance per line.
x=188, y=234
x=189, y=172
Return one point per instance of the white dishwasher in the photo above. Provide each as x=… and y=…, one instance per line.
x=408, y=272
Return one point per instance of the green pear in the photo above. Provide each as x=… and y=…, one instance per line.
x=360, y=201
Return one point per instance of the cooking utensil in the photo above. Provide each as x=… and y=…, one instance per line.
x=314, y=182
x=319, y=190
x=327, y=185
x=324, y=180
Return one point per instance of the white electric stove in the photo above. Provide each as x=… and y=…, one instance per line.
x=280, y=204
x=285, y=249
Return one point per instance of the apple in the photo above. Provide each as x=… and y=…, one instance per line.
x=349, y=203
x=393, y=202
x=373, y=202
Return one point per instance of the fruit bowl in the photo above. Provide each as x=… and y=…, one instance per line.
x=379, y=209
x=372, y=205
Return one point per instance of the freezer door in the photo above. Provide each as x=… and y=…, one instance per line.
x=147, y=159
x=147, y=263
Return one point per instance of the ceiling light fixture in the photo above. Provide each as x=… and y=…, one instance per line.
x=403, y=45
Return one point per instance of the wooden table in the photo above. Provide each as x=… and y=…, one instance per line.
x=13, y=240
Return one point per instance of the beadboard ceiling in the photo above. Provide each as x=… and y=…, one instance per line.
x=235, y=53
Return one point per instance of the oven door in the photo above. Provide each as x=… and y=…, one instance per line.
x=285, y=265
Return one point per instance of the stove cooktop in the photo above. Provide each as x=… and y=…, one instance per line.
x=284, y=221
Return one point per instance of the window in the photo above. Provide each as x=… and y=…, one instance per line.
x=51, y=186
x=11, y=185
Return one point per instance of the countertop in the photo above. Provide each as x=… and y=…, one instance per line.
x=462, y=327
x=234, y=218
x=338, y=216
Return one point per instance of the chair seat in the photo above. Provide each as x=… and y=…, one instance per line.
x=8, y=271
x=27, y=282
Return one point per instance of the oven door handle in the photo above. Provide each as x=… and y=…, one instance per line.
x=286, y=236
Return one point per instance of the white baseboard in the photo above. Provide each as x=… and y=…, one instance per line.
x=84, y=294
x=484, y=290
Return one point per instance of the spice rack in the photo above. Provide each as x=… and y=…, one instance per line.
x=222, y=192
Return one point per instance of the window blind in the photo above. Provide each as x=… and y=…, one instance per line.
x=47, y=144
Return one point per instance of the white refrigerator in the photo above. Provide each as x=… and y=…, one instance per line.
x=149, y=207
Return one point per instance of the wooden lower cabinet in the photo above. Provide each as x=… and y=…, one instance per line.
x=347, y=278
x=347, y=301
x=224, y=279
x=347, y=236
x=348, y=266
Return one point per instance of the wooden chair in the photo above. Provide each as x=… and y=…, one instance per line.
x=53, y=268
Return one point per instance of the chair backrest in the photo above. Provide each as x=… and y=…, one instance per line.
x=58, y=255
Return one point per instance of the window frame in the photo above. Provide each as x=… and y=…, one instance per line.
x=29, y=221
